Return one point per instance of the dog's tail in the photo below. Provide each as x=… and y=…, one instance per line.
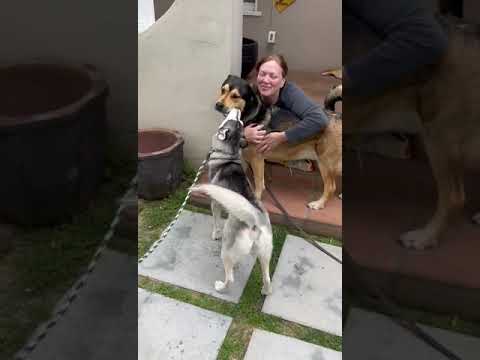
x=234, y=203
x=334, y=95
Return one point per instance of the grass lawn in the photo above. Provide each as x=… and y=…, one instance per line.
x=247, y=315
x=45, y=262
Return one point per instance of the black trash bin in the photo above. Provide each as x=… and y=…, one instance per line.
x=249, y=56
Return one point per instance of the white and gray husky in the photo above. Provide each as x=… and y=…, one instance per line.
x=247, y=229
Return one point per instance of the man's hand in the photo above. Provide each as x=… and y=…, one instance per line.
x=254, y=134
x=271, y=141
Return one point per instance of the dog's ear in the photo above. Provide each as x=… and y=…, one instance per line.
x=229, y=79
x=252, y=104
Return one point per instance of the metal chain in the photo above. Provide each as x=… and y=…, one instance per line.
x=169, y=227
x=70, y=297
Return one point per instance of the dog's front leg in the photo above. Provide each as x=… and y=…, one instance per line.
x=217, y=215
x=257, y=163
x=329, y=186
x=445, y=162
x=258, y=168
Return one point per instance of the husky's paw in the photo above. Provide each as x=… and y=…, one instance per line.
x=217, y=234
x=420, y=239
x=476, y=218
x=267, y=289
x=317, y=205
x=220, y=286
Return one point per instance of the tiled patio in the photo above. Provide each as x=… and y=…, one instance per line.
x=294, y=189
x=388, y=197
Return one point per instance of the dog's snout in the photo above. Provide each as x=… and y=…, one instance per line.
x=219, y=106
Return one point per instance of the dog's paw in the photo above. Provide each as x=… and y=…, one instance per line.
x=267, y=289
x=220, y=286
x=420, y=239
x=317, y=205
x=476, y=218
x=217, y=235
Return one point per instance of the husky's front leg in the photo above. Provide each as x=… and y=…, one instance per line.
x=217, y=215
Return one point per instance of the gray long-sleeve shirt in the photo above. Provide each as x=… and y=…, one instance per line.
x=410, y=38
x=310, y=115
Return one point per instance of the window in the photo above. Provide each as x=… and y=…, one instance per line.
x=146, y=15
x=250, y=7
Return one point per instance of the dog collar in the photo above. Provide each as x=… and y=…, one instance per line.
x=218, y=154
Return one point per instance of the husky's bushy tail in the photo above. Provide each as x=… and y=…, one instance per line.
x=234, y=203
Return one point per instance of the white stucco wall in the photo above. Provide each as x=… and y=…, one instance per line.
x=182, y=60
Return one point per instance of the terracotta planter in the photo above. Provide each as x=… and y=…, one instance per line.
x=160, y=162
x=52, y=140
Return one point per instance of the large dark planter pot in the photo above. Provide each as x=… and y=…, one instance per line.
x=160, y=162
x=249, y=56
x=52, y=140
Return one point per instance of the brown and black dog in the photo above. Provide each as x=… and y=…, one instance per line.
x=446, y=102
x=325, y=148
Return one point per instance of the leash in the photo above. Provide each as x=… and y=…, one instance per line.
x=72, y=294
x=234, y=114
x=389, y=306
x=187, y=197
x=395, y=313
x=307, y=237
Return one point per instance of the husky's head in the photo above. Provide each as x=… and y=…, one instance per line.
x=228, y=139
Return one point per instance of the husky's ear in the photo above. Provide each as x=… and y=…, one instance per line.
x=252, y=104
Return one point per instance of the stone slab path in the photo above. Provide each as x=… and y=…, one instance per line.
x=170, y=329
x=370, y=335
x=307, y=286
x=189, y=258
x=100, y=323
x=307, y=289
x=265, y=345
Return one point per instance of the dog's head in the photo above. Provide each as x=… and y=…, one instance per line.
x=228, y=139
x=237, y=93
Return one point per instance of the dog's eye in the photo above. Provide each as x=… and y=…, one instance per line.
x=235, y=96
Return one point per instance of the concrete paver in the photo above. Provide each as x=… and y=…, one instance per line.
x=269, y=346
x=169, y=329
x=370, y=335
x=307, y=286
x=100, y=323
x=189, y=258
